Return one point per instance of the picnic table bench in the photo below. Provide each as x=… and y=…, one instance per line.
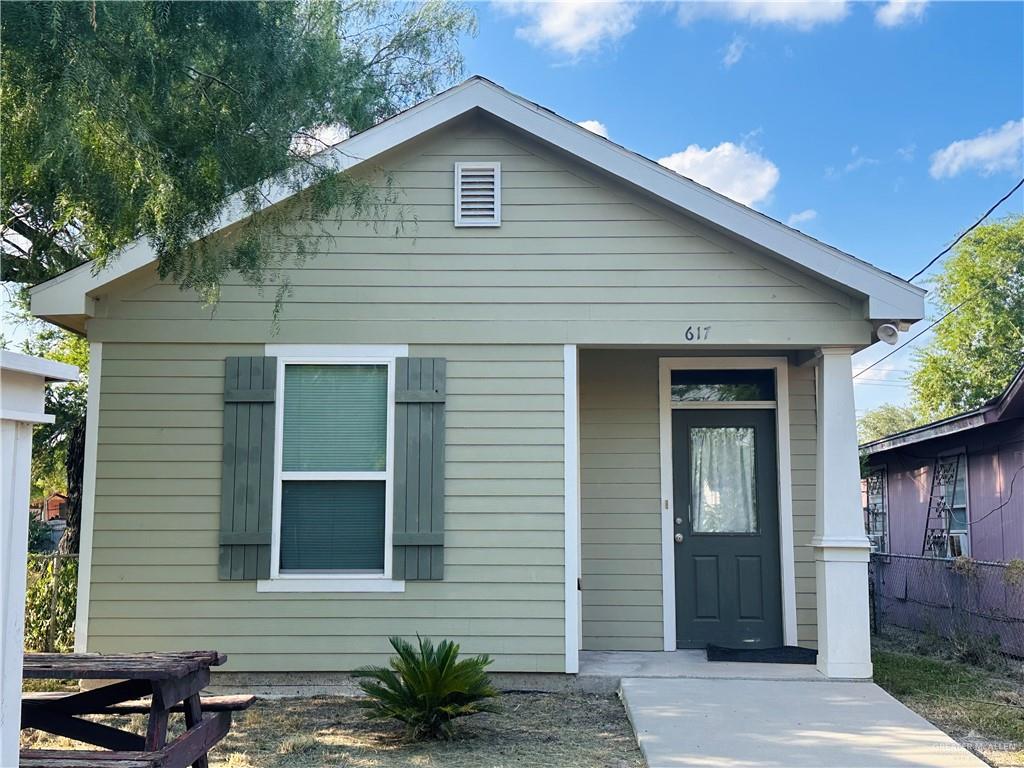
x=169, y=682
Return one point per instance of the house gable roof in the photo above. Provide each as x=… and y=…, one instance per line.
x=66, y=299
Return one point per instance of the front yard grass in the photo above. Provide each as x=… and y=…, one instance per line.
x=981, y=708
x=539, y=730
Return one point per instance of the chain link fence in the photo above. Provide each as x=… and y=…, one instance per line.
x=962, y=600
x=51, y=592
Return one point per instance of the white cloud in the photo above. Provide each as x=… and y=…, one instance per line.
x=731, y=169
x=594, y=126
x=999, y=149
x=857, y=161
x=573, y=27
x=801, y=14
x=907, y=153
x=802, y=217
x=897, y=12
x=734, y=52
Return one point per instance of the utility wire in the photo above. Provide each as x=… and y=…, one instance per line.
x=964, y=234
x=923, y=269
x=916, y=335
x=1008, y=498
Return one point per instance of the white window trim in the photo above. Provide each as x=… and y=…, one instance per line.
x=332, y=354
x=723, y=405
x=787, y=560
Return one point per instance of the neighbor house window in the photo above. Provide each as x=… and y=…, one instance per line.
x=876, y=511
x=334, y=460
x=952, y=486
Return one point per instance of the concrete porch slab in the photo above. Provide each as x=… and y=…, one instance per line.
x=704, y=723
x=688, y=664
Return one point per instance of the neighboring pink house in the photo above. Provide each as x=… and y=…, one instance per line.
x=953, y=487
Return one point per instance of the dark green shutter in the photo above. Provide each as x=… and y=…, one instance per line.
x=247, y=486
x=419, y=468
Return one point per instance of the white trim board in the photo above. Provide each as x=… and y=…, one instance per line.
x=888, y=297
x=787, y=559
x=87, y=520
x=571, y=474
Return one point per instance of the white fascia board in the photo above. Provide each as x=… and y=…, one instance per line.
x=889, y=298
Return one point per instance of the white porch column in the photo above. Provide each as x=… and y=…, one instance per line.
x=22, y=381
x=841, y=547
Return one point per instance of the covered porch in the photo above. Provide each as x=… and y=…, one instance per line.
x=712, y=497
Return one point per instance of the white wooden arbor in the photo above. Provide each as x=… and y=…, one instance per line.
x=23, y=381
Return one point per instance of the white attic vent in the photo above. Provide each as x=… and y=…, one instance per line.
x=478, y=194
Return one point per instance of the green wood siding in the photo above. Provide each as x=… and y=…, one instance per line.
x=803, y=433
x=155, y=569
x=620, y=467
x=577, y=259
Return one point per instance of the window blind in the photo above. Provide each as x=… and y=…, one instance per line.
x=335, y=418
x=329, y=525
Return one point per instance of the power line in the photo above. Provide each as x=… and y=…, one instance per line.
x=917, y=335
x=923, y=269
x=1008, y=498
x=964, y=234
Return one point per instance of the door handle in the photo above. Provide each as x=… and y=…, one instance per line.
x=679, y=538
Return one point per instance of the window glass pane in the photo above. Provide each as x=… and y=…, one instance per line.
x=332, y=525
x=722, y=480
x=960, y=491
x=335, y=418
x=958, y=519
x=722, y=386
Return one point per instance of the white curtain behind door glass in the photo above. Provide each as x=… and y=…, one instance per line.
x=722, y=480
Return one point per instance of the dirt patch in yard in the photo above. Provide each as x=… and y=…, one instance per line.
x=539, y=730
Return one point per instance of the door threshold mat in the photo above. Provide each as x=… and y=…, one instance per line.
x=788, y=654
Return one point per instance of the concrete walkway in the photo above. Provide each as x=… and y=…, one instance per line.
x=744, y=723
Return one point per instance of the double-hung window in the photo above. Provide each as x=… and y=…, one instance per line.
x=876, y=512
x=333, y=458
x=951, y=471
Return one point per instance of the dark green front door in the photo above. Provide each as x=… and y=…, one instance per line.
x=728, y=589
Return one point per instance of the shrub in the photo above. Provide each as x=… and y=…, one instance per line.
x=50, y=596
x=38, y=536
x=1013, y=574
x=428, y=688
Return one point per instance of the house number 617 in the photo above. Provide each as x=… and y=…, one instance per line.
x=697, y=332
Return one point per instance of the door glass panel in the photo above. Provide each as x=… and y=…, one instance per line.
x=722, y=386
x=722, y=480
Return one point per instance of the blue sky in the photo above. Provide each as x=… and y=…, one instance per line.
x=884, y=129
x=847, y=113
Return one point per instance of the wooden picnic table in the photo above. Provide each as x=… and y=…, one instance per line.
x=170, y=681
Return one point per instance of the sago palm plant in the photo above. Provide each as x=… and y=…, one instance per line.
x=427, y=688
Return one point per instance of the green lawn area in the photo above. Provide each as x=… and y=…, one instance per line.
x=981, y=708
